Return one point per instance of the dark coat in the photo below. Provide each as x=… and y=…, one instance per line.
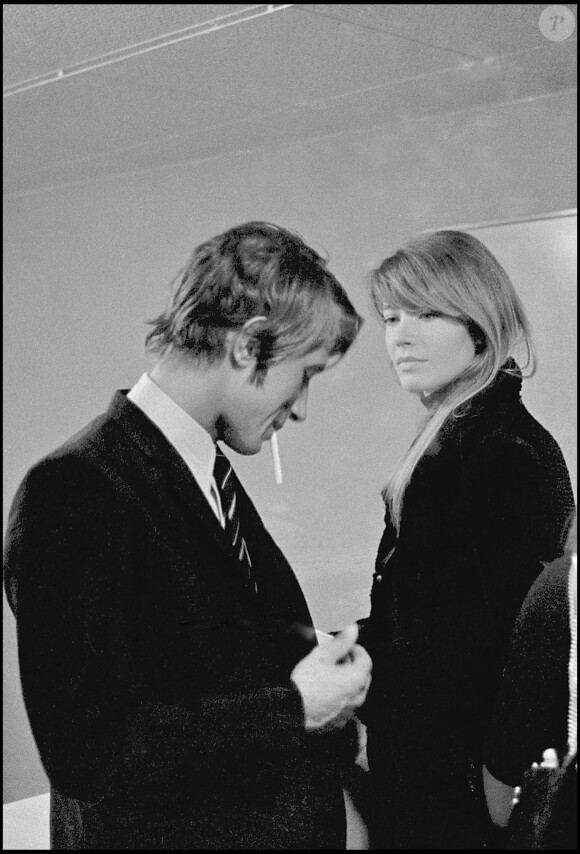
x=534, y=712
x=531, y=712
x=156, y=683
x=485, y=508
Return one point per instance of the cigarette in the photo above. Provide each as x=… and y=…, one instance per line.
x=276, y=458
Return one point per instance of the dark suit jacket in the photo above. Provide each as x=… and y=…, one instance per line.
x=156, y=683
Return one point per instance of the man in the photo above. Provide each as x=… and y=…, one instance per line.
x=169, y=666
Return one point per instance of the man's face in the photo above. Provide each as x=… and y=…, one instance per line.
x=255, y=411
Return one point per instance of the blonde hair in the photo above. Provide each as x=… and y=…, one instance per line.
x=256, y=269
x=454, y=274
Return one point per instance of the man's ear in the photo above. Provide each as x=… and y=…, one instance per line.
x=244, y=348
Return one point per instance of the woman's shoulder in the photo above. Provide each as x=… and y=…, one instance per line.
x=521, y=465
x=497, y=417
x=513, y=435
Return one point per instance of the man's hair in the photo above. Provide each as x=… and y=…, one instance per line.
x=255, y=270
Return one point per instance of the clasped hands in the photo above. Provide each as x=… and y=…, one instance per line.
x=333, y=680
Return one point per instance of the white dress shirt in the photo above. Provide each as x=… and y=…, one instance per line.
x=191, y=441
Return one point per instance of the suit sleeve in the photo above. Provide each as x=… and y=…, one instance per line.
x=105, y=716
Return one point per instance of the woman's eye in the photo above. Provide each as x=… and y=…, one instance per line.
x=429, y=314
x=389, y=320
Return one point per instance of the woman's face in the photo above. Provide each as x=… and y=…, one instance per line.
x=428, y=350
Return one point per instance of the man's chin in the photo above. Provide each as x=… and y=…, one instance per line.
x=247, y=449
x=250, y=452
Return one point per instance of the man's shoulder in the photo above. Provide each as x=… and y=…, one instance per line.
x=97, y=445
x=96, y=434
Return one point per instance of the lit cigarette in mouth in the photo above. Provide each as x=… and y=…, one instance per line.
x=276, y=458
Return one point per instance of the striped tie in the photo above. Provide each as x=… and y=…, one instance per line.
x=226, y=484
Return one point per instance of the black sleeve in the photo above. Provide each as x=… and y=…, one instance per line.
x=531, y=711
x=520, y=505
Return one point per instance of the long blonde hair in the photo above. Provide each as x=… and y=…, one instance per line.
x=454, y=274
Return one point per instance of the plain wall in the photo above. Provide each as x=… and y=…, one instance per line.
x=86, y=265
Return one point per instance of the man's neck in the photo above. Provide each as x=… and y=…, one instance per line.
x=195, y=386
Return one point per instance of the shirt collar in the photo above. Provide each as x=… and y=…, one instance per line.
x=192, y=441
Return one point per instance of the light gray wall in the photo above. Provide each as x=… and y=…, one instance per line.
x=87, y=265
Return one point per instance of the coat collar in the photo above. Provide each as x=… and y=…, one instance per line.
x=504, y=391
x=141, y=430
x=488, y=407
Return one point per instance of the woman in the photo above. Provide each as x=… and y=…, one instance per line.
x=481, y=500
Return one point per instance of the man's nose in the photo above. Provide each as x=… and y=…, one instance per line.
x=299, y=407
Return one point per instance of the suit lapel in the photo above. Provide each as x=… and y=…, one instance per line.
x=281, y=598
x=172, y=476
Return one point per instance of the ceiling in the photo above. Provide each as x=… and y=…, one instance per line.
x=101, y=90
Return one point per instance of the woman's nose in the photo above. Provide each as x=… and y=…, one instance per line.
x=405, y=330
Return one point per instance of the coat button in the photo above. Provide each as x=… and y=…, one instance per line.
x=378, y=578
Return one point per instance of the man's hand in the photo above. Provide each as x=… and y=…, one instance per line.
x=333, y=680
